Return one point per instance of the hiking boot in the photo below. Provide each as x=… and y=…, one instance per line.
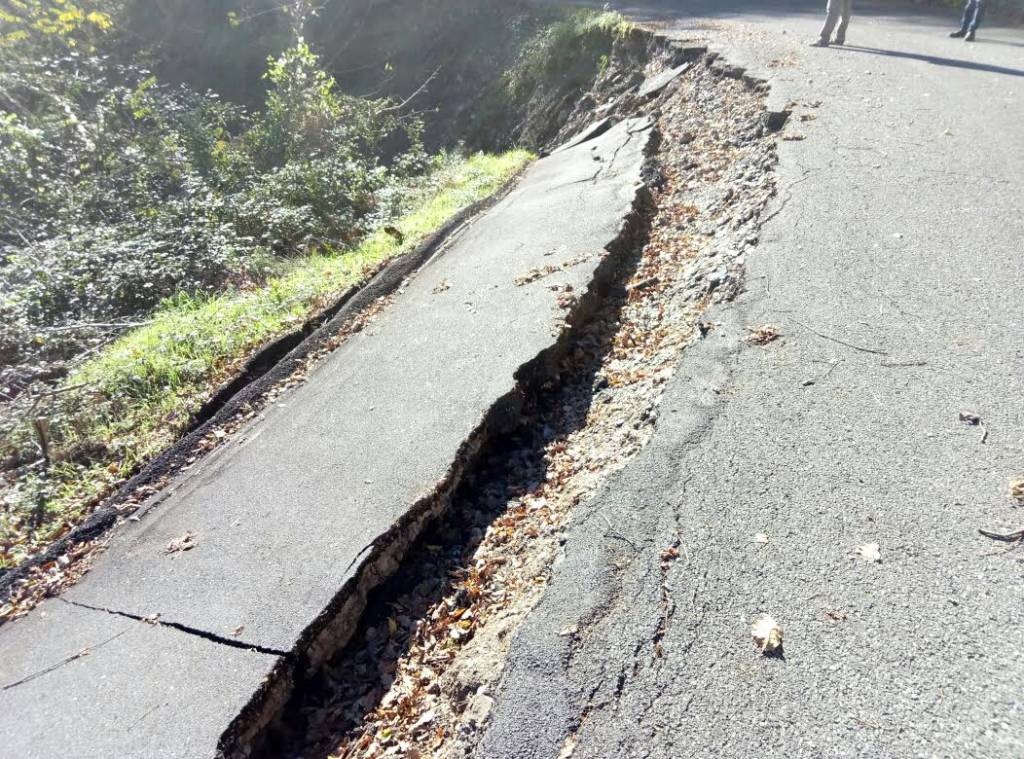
x=819, y=43
x=958, y=33
x=969, y=37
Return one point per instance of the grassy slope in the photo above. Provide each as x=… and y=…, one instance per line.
x=141, y=391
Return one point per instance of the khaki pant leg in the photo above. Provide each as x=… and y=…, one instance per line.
x=831, y=18
x=847, y=12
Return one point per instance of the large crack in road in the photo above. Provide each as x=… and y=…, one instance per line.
x=417, y=677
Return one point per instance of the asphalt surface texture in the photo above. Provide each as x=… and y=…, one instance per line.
x=892, y=263
x=194, y=606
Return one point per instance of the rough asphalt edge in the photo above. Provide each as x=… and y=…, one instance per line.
x=333, y=628
x=270, y=365
x=709, y=365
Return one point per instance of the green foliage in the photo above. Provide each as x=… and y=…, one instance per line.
x=117, y=191
x=53, y=22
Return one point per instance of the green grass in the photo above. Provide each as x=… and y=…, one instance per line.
x=140, y=392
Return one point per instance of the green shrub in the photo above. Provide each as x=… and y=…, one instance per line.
x=118, y=191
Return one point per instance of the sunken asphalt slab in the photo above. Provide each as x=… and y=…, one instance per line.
x=898, y=228
x=284, y=514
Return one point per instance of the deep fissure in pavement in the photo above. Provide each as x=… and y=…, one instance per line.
x=416, y=672
x=438, y=564
x=552, y=115
x=335, y=626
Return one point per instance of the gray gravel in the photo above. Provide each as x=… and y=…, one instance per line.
x=898, y=230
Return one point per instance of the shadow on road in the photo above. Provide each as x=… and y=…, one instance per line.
x=936, y=60
x=1006, y=43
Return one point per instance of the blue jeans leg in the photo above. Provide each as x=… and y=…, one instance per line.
x=972, y=15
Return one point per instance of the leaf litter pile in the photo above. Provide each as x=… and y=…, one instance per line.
x=416, y=679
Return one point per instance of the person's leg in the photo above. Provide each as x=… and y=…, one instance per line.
x=831, y=17
x=846, y=12
x=975, y=19
x=965, y=19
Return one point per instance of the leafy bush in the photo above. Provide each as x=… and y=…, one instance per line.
x=117, y=191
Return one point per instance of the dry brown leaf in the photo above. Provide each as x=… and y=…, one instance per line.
x=670, y=554
x=767, y=634
x=184, y=542
x=766, y=333
x=1017, y=488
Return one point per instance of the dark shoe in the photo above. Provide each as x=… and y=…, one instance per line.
x=839, y=41
x=819, y=43
x=969, y=37
x=958, y=33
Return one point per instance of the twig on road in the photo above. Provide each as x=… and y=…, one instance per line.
x=617, y=535
x=860, y=348
x=1012, y=537
x=901, y=364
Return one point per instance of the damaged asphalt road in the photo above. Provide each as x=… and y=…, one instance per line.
x=892, y=267
x=885, y=284
x=274, y=539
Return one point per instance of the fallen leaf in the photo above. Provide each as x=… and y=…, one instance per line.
x=767, y=634
x=185, y=542
x=1017, y=488
x=766, y=333
x=870, y=552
